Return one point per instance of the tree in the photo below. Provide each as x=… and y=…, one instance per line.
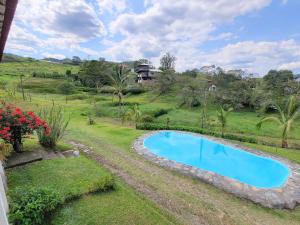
x=15, y=124
x=119, y=79
x=165, y=81
x=76, y=60
x=95, y=73
x=191, y=91
x=276, y=81
x=222, y=115
x=167, y=62
x=66, y=88
x=285, y=120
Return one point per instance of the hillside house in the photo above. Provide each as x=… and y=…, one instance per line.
x=145, y=73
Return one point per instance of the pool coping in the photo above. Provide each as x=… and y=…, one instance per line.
x=285, y=197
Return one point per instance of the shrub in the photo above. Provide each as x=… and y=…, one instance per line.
x=160, y=112
x=30, y=207
x=156, y=126
x=66, y=88
x=56, y=122
x=147, y=118
x=107, y=90
x=15, y=124
x=135, y=90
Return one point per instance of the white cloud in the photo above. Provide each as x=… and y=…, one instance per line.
x=55, y=56
x=20, y=48
x=62, y=18
x=55, y=24
x=176, y=26
x=256, y=56
x=290, y=66
x=112, y=6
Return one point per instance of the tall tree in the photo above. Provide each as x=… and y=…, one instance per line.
x=167, y=62
x=277, y=81
x=285, y=120
x=95, y=73
x=119, y=79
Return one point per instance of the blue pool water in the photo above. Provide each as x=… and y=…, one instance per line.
x=224, y=160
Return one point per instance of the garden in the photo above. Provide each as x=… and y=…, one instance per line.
x=107, y=112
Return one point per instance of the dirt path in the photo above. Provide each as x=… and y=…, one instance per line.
x=189, y=200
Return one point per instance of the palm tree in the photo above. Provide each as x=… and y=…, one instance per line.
x=119, y=79
x=285, y=119
x=222, y=117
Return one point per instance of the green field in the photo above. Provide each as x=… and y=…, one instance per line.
x=154, y=195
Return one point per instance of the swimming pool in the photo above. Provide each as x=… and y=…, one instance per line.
x=225, y=160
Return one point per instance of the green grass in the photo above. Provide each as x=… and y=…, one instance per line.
x=71, y=177
x=27, y=68
x=123, y=206
x=75, y=177
x=112, y=141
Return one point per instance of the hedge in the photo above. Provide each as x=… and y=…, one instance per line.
x=157, y=126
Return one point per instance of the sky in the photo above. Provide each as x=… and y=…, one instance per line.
x=254, y=35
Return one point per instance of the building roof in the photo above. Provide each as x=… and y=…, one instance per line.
x=7, y=12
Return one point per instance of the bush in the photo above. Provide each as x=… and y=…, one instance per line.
x=147, y=118
x=160, y=112
x=57, y=124
x=107, y=90
x=135, y=90
x=66, y=88
x=30, y=207
x=155, y=126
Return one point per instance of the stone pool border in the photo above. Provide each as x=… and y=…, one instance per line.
x=288, y=196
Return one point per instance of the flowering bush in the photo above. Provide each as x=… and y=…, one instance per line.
x=15, y=124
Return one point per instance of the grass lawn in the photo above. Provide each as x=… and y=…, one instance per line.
x=190, y=201
x=71, y=177
x=122, y=206
x=78, y=176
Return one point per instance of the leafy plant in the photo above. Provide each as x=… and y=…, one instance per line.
x=31, y=206
x=285, y=120
x=222, y=117
x=119, y=82
x=58, y=124
x=15, y=124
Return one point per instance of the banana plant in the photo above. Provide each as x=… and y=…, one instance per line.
x=222, y=115
x=285, y=119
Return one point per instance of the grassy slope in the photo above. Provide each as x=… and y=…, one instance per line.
x=27, y=68
x=112, y=141
x=76, y=176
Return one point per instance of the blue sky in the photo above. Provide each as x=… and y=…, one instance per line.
x=256, y=35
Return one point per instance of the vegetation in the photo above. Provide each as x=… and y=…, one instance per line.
x=222, y=117
x=56, y=122
x=15, y=124
x=30, y=206
x=179, y=101
x=285, y=120
x=119, y=82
